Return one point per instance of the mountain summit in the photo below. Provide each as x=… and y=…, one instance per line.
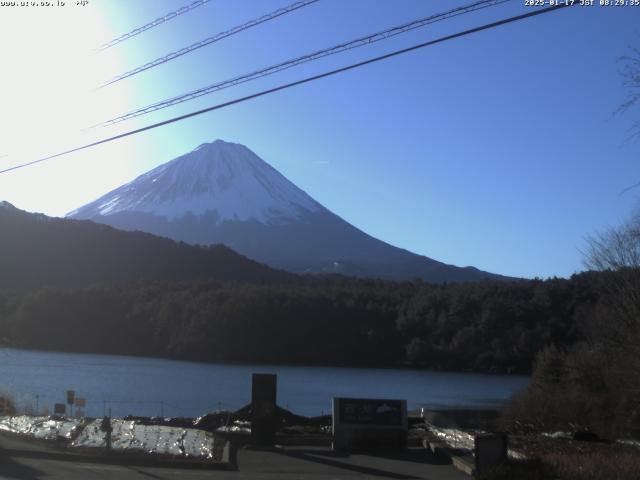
x=226, y=180
x=222, y=192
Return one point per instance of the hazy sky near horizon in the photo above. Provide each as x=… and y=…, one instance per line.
x=498, y=150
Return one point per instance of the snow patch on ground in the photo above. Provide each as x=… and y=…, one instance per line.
x=464, y=441
x=564, y=435
x=238, y=426
x=629, y=442
x=127, y=435
x=44, y=428
x=454, y=438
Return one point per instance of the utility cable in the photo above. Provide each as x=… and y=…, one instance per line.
x=158, y=21
x=359, y=42
x=208, y=41
x=298, y=82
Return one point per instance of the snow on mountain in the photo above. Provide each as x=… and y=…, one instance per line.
x=223, y=193
x=222, y=178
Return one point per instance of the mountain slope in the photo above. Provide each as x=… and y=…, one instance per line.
x=224, y=193
x=36, y=250
x=226, y=178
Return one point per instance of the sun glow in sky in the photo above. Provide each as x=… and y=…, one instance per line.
x=48, y=99
x=497, y=150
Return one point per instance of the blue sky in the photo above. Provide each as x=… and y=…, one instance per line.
x=498, y=150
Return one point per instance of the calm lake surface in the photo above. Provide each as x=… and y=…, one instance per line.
x=149, y=386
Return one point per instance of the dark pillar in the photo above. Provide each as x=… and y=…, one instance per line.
x=490, y=450
x=263, y=408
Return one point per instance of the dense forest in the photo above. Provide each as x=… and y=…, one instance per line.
x=488, y=326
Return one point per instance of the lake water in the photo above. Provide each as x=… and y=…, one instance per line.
x=149, y=386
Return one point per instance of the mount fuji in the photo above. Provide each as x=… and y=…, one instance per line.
x=222, y=192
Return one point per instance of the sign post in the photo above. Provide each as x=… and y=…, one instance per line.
x=71, y=396
x=81, y=403
x=107, y=428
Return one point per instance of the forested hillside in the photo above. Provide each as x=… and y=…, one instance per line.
x=36, y=250
x=485, y=326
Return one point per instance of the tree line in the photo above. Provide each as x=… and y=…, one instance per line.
x=487, y=326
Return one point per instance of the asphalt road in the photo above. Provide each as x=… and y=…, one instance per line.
x=21, y=460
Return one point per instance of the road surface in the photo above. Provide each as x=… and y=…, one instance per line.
x=22, y=460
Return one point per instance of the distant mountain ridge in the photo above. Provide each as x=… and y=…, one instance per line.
x=224, y=193
x=37, y=251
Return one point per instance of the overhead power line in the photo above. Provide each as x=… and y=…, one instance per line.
x=359, y=42
x=208, y=41
x=158, y=21
x=297, y=82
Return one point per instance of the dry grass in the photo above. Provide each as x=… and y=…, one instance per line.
x=520, y=470
x=612, y=465
x=570, y=460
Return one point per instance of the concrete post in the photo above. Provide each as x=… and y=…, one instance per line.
x=490, y=450
x=263, y=408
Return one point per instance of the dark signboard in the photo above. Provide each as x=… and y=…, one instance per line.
x=263, y=407
x=71, y=395
x=59, y=409
x=369, y=423
x=263, y=388
x=361, y=411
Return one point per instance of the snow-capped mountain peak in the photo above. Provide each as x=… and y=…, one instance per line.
x=223, y=193
x=225, y=179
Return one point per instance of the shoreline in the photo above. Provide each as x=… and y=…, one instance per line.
x=231, y=363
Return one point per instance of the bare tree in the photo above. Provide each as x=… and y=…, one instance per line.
x=630, y=74
x=616, y=328
x=616, y=248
